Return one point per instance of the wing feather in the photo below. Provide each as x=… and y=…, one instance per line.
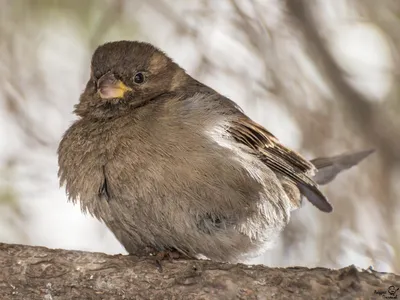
x=279, y=158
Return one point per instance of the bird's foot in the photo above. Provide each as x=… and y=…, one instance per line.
x=164, y=255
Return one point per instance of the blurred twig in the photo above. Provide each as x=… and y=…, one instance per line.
x=374, y=121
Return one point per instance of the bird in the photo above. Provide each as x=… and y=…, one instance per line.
x=169, y=164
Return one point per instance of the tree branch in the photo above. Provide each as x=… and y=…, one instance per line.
x=41, y=273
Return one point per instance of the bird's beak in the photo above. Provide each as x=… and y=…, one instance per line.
x=109, y=87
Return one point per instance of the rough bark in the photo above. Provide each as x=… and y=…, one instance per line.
x=40, y=273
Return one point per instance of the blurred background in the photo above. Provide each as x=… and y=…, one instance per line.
x=323, y=76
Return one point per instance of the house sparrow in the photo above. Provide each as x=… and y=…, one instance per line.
x=169, y=164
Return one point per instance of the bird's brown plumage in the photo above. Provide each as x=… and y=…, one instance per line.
x=168, y=163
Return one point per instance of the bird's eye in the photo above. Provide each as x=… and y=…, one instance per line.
x=138, y=78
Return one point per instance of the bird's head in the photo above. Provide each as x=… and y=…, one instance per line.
x=125, y=75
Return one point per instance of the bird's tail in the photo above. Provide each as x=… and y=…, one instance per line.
x=329, y=167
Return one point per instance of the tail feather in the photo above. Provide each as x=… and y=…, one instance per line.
x=329, y=167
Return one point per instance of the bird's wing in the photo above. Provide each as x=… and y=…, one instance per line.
x=279, y=158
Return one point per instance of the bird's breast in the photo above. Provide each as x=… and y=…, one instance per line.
x=85, y=152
